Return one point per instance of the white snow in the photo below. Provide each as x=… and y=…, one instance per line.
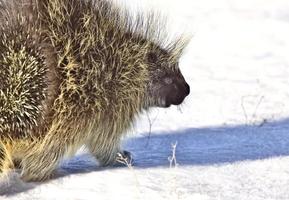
x=232, y=132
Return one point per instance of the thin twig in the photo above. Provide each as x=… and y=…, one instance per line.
x=151, y=122
x=173, y=158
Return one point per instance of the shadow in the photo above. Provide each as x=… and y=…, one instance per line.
x=12, y=184
x=212, y=145
x=195, y=146
x=82, y=163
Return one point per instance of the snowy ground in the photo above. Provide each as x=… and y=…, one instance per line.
x=232, y=131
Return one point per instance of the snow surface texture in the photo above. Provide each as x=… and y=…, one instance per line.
x=232, y=131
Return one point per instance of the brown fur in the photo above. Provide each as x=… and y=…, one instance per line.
x=73, y=72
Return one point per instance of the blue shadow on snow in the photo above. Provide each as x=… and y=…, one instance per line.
x=195, y=146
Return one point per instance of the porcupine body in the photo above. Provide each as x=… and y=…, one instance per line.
x=73, y=73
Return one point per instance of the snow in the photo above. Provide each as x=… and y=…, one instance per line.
x=231, y=132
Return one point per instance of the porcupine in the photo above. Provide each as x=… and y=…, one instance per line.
x=78, y=72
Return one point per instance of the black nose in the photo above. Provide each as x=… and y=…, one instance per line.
x=187, y=90
x=178, y=96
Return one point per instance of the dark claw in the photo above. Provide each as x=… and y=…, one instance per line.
x=124, y=158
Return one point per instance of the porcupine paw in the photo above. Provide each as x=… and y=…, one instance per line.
x=124, y=158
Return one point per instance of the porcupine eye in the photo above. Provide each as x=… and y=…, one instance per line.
x=152, y=57
x=167, y=86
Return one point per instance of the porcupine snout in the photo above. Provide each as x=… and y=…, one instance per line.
x=176, y=89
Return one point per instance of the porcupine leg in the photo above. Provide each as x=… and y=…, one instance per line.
x=11, y=153
x=108, y=154
x=45, y=154
x=20, y=148
x=39, y=164
x=6, y=163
